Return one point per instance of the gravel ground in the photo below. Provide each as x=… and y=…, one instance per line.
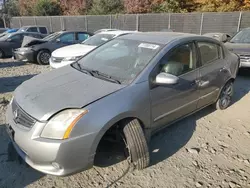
x=208, y=149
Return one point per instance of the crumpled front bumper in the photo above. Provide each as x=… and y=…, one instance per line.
x=55, y=157
x=28, y=56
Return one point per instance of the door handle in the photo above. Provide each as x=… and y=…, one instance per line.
x=223, y=69
x=203, y=83
x=195, y=82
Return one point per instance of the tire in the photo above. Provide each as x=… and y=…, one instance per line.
x=1, y=54
x=43, y=57
x=225, y=97
x=136, y=144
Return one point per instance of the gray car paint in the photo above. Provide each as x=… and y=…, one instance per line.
x=55, y=92
x=108, y=103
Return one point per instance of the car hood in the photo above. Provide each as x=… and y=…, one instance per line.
x=72, y=50
x=30, y=41
x=48, y=93
x=238, y=48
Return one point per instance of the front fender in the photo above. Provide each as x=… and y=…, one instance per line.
x=129, y=102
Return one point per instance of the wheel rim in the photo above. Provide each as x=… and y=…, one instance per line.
x=226, y=96
x=1, y=54
x=45, y=58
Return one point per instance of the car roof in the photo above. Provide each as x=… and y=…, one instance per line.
x=32, y=33
x=117, y=32
x=160, y=37
x=34, y=26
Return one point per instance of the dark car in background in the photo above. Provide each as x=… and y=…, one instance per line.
x=39, y=51
x=35, y=29
x=222, y=37
x=11, y=41
x=240, y=45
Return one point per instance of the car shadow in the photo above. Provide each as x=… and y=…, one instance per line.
x=13, y=170
x=171, y=139
x=9, y=84
x=241, y=85
x=11, y=64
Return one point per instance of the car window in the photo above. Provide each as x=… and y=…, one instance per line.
x=209, y=52
x=180, y=61
x=68, y=37
x=17, y=38
x=82, y=36
x=43, y=30
x=123, y=59
x=32, y=29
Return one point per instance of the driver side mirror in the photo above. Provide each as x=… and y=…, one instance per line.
x=9, y=40
x=166, y=79
x=58, y=40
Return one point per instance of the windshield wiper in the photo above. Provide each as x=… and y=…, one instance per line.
x=96, y=73
x=105, y=76
x=84, y=70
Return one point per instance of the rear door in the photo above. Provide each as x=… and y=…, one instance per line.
x=212, y=71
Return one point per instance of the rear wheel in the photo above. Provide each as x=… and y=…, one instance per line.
x=225, y=97
x=136, y=144
x=43, y=57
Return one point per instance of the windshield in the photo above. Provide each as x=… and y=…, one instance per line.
x=121, y=59
x=242, y=37
x=98, y=39
x=23, y=29
x=52, y=36
x=6, y=36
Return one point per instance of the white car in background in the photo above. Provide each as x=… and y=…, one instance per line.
x=69, y=54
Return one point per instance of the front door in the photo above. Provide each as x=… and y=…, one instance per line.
x=15, y=42
x=212, y=72
x=64, y=40
x=171, y=102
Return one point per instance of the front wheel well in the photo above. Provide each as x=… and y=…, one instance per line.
x=113, y=139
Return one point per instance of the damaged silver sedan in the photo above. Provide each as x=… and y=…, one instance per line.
x=132, y=87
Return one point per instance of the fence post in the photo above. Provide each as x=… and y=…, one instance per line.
x=239, y=22
x=35, y=20
x=201, y=26
x=4, y=21
x=110, y=21
x=137, y=22
x=20, y=22
x=86, y=22
x=62, y=23
x=50, y=23
x=169, y=20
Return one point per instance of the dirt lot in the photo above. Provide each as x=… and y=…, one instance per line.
x=208, y=149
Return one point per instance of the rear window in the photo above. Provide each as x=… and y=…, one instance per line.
x=43, y=30
x=209, y=52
